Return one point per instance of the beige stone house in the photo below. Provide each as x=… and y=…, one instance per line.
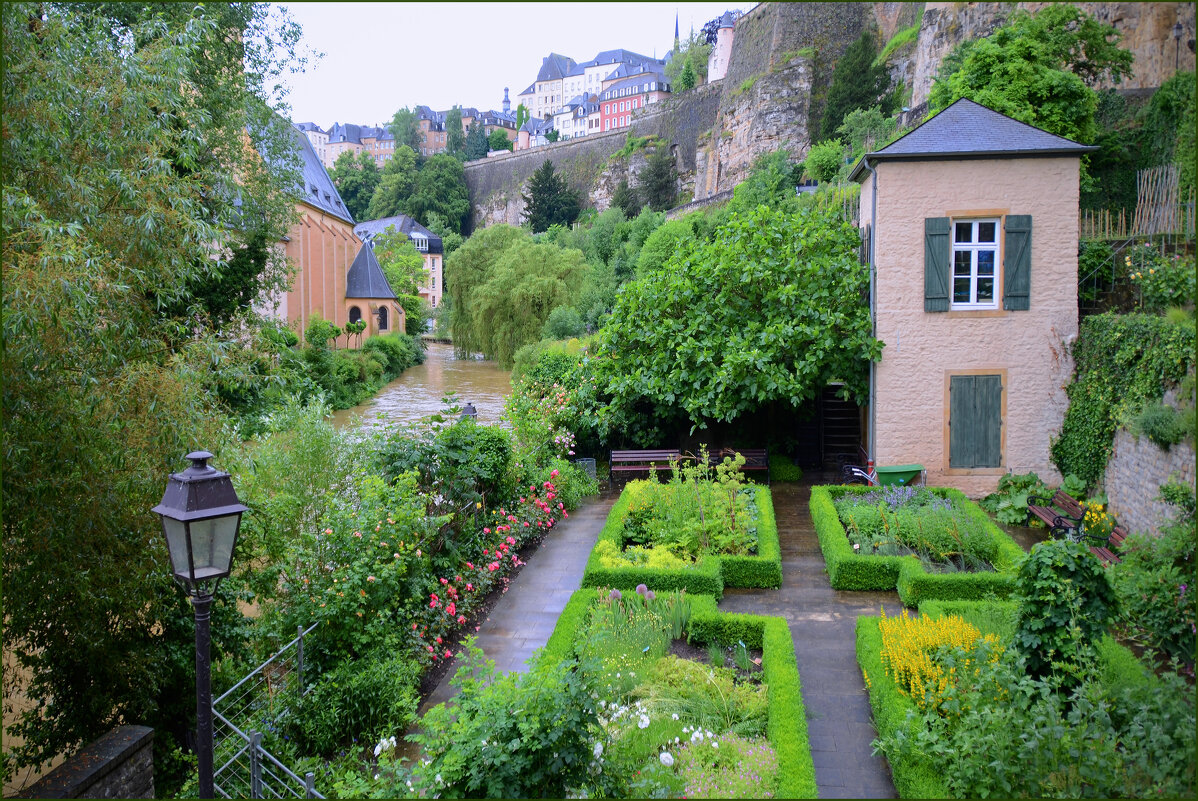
x=972, y=228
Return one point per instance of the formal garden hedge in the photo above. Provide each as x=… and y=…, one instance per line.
x=848, y=570
x=709, y=574
x=787, y=727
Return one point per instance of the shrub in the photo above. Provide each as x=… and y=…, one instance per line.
x=782, y=468
x=1066, y=605
x=1162, y=281
x=1162, y=424
x=563, y=322
x=824, y=160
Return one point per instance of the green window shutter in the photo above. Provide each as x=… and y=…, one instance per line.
x=1017, y=262
x=936, y=249
x=975, y=421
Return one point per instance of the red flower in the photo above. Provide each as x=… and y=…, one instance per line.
x=451, y=609
x=438, y=641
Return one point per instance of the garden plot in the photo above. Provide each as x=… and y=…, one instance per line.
x=928, y=543
x=701, y=531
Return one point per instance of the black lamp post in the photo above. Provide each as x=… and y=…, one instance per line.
x=1178, y=30
x=201, y=516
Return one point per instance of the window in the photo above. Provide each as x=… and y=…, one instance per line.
x=975, y=421
x=975, y=260
x=355, y=314
x=382, y=318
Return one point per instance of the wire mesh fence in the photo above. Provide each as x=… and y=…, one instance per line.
x=253, y=707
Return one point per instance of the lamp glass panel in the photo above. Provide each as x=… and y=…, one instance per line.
x=212, y=543
x=176, y=544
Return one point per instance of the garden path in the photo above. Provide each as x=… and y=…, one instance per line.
x=823, y=623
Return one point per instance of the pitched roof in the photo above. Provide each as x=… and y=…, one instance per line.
x=638, y=85
x=630, y=68
x=728, y=19
x=531, y=90
x=365, y=278
x=616, y=57
x=309, y=126
x=318, y=189
x=368, y=230
x=345, y=133
x=969, y=130
x=555, y=67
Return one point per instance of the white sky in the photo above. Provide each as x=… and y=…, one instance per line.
x=382, y=56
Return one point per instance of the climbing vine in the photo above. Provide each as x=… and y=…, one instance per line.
x=1122, y=362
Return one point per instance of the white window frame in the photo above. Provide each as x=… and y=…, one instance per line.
x=974, y=248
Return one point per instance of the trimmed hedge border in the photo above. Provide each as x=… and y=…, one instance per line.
x=786, y=726
x=710, y=573
x=918, y=776
x=850, y=571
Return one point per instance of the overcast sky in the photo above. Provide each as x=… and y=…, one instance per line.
x=381, y=56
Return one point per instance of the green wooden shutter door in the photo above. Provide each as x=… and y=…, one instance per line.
x=975, y=421
x=936, y=247
x=1017, y=262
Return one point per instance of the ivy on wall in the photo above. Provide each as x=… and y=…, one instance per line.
x=1122, y=362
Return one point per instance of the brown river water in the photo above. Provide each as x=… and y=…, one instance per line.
x=418, y=392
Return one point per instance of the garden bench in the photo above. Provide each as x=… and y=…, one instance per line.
x=755, y=459
x=1063, y=516
x=642, y=461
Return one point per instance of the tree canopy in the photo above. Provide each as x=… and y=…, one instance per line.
x=476, y=142
x=129, y=184
x=395, y=186
x=549, y=200
x=857, y=82
x=405, y=127
x=659, y=180
x=356, y=178
x=692, y=54
x=441, y=189
x=769, y=310
x=455, y=133
x=1038, y=69
x=498, y=140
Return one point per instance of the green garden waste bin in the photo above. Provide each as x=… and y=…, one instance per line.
x=898, y=474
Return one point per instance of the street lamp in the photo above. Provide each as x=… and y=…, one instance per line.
x=201, y=515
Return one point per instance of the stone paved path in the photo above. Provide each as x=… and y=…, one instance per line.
x=822, y=622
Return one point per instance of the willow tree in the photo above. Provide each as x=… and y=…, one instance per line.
x=129, y=188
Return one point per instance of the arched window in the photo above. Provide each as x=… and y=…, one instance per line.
x=355, y=314
x=382, y=318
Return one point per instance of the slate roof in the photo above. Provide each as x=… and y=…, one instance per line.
x=318, y=189
x=345, y=133
x=555, y=67
x=365, y=278
x=728, y=19
x=309, y=126
x=368, y=230
x=617, y=57
x=531, y=90
x=969, y=130
x=629, y=69
x=636, y=84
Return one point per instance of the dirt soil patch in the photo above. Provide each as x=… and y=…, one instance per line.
x=698, y=653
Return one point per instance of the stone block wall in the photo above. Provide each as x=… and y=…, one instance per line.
x=118, y=765
x=1134, y=475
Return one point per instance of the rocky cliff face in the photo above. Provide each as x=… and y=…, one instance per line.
x=782, y=59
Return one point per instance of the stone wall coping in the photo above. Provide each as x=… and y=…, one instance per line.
x=92, y=764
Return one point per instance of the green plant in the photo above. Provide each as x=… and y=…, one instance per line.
x=783, y=468
x=1161, y=281
x=740, y=656
x=900, y=39
x=1008, y=503
x=1161, y=423
x=715, y=654
x=1066, y=605
x=320, y=331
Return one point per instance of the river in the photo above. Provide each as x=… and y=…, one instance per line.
x=418, y=392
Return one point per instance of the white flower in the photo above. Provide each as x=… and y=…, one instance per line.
x=715, y=743
x=484, y=742
x=643, y=723
x=697, y=737
x=856, y=546
x=666, y=759
x=603, y=704
x=675, y=716
x=598, y=750
x=438, y=779
x=675, y=741
x=376, y=777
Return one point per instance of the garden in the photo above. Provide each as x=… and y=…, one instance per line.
x=637, y=694
x=701, y=530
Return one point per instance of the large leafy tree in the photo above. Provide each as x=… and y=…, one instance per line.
x=549, y=200
x=405, y=127
x=770, y=310
x=1039, y=69
x=356, y=178
x=455, y=133
x=498, y=140
x=395, y=186
x=440, y=188
x=129, y=186
x=857, y=82
x=476, y=142
x=659, y=179
x=403, y=267
x=466, y=270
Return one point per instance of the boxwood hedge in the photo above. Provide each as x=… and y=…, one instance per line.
x=786, y=726
x=709, y=575
x=848, y=570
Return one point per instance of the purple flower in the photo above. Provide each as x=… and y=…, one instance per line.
x=641, y=589
x=615, y=595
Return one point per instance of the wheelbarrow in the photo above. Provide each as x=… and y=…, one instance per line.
x=896, y=475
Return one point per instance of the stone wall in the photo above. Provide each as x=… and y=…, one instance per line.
x=118, y=765
x=1134, y=475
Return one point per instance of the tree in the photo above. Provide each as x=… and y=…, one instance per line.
x=659, y=179
x=455, y=132
x=693, y=53
x=356, y=178
x=549, y=200
x=476, y=142
x=1037, y=69
x=769, y=311
x=625, y=198
x=498, y=140
x=441, y=188
x=772, y=180
x=450, y=240
x=401, y=262
x=467, y=270
x=857, y=82
x=866, y=129
x=523, y=115
x=563, y=323
x=405, y=127
x=824, y=160
x=395, y=186
x=128, y=183
x=553, y=134
x=686, y=78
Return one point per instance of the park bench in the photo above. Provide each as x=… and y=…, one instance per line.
x=641, y=461
x=755, y=459
x=1063, y=516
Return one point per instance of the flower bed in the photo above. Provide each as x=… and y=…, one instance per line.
x=626, y=555
x=850, y=569
x=786, y=723
x=957, y=648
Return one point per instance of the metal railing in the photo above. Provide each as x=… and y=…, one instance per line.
x=243, y=768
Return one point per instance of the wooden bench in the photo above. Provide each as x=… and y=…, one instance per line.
x=755, y=459
x=641, y=461
x=1063, y=516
